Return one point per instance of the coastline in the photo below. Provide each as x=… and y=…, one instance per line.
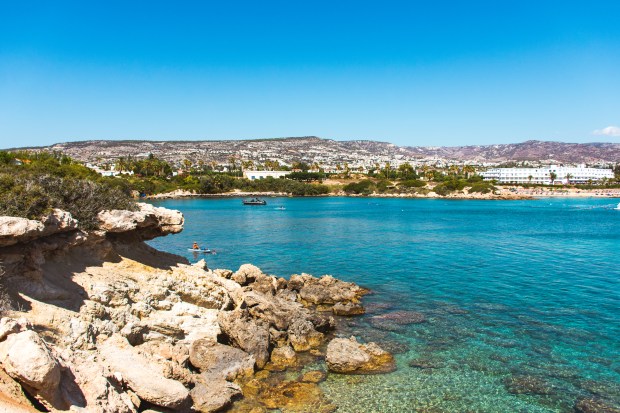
x=510, y=193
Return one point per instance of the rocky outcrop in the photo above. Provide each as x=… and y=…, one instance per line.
x=15, y=230
x=348, y=356
x=121, y=327
x=146, y=223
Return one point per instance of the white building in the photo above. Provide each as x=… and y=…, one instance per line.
x=579, y=174
x=252, y=175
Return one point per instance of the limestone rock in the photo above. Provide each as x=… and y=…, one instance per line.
x=246, y=333
x=14, y=230
x=212, y=395
x=348, y=309
x=303, y=336
x=327, y=290
x=27, y=359
x=146, y=223
x=216, y=359
x=246, y=274
x=283, y=356
x=141, y=375
x=348, y=356
x=11, y=326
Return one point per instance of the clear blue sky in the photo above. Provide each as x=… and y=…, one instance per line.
x=408, y=72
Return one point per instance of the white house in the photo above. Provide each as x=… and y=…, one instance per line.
x=252, y=175
x=579, y=174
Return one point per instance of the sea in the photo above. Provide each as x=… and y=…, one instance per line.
x=488, y=306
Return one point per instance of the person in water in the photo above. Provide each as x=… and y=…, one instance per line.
x=195, y=246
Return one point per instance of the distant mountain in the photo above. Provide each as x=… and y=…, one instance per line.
x=326, y=151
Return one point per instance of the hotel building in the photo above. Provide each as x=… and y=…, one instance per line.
x=579, y=174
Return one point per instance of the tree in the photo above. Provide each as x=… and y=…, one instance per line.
x=568, y=178
x=553, y=176
x=405, y=170
x=529, y=178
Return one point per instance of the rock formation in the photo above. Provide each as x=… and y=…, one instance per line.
x=105, y=323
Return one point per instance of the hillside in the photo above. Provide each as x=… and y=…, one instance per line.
x=329, y=152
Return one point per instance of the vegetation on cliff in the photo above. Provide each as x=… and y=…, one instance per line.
x=32, y=184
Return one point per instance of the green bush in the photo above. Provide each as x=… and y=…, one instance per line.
x=364, y=187
x=51, y=180
x=412, y=183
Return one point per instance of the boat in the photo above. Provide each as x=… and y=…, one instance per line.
x=280, y=208
x=254, y=201
x=202, y=250
x=618, y=207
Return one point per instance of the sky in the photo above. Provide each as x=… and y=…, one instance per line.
x=408, y=72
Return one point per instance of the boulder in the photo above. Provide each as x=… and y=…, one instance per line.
x=277, y=312
x=218, y=360
x=246, y=333
x=348, y=356
x=27, y=359
x=303, y=336
x=246, y=274
x=212, y=395
x=328, y=290
x=283, y=356
x=141, y=375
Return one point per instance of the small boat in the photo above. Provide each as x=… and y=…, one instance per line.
x=618, y=207
x=254, y=201
x=201, y=250
x=280, y=208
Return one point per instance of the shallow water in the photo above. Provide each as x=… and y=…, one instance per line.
x=521, y=298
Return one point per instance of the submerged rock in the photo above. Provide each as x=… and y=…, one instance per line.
x=348, y=356
x=595, y=406
x=527, y=385
x=348, y=309
x=296, y=397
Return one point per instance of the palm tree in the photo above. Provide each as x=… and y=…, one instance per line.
x=568, y=177
x=405, y=170
x=529, y=179
x=553, y=176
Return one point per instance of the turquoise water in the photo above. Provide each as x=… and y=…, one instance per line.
x=521, y=299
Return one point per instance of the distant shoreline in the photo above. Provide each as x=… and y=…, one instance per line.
x=504, y=194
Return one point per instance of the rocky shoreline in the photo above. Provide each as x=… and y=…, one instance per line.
x=101, y=322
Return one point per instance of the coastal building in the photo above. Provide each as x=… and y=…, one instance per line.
x=253, y=175
x=579, y=174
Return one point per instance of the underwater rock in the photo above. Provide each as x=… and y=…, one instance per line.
x=348, y=309
x=296, y=397
x=424, y=363
x=524, y=384
x=595, y=406
x=314, y=376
